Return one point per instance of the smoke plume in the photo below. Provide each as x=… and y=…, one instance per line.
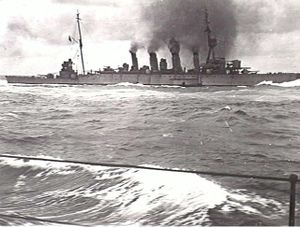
x=174, y=46
x=184, y=20
x=108, y=3
x=135, y=46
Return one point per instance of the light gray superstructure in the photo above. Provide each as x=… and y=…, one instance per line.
x=214, y=72
x=160, y=79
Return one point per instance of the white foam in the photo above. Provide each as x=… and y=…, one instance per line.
x=143, y=191
x=59, y=168
x=295, y=83
x=168, y=86
x=91, y=93
x=127, y=84
x=227, y=108
x=8, y=116
x=3, y=82
x=239, y=200
x=186, y=193
x=168, y=135
x=182, y=193
x=52, y=168
x=108, y=94
x=20, y=181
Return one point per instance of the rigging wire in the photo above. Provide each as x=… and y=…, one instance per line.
x=87, y=37
x=73, y=41
x=129, y=166
x=74, y=31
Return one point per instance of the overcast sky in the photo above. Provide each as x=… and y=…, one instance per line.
x=34, y=34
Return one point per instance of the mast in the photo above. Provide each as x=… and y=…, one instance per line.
x=80, y=43
x=212, y=41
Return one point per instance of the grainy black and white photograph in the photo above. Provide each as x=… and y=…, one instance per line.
x=149, y=113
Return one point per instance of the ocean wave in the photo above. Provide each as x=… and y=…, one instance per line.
x=130, y=194
x=59, y=117
x=149, y=123
x=226, y=108
x=295, y=83
x=30, y=139
x=167, y=86
x=3, y=82
x=241, y=113
x=281, y=116
x=127, y=84
x=9, y=116
x=56, y=166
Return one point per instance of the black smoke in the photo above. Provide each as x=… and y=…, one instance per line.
x=184, y=20
x=108, y=3
x=135, y=46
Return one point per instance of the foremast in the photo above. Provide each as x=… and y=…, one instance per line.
x=80, y=43
x=212, y=41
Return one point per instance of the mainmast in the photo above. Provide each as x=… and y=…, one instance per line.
x=80, y=43
x=212, y=41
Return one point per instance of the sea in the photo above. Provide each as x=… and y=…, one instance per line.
x=233, y=130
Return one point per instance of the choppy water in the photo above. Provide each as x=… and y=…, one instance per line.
x=250, y=130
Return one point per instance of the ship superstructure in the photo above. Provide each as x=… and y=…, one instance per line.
x=214, y=72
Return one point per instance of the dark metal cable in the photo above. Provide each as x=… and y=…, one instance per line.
x=111, y=165
x=28, y=218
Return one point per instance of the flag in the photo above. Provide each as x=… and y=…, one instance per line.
x=72, y=39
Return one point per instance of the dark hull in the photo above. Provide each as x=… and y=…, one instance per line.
x=162, y=79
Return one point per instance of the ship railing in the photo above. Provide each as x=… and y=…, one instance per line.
x=293, y=180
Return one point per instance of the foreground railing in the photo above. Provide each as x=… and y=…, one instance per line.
x=293, y=180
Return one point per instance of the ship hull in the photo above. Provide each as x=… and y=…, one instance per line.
x=188, y=80
x=247, y=79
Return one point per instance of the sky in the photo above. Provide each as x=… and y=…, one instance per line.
x=34, y=33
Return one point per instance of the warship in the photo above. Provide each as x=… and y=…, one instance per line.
x=213, y=72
